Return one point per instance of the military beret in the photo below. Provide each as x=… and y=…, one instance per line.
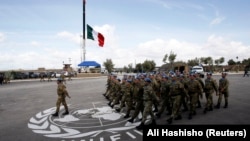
x=147, y=80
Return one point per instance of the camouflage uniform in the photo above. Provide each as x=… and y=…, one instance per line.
x=194, y=88
x=114, y=91
x=209, y=88
x=62, y=93
x=126, y=97
x=165, y=103
x=138, y=98
x=223, y=90
x=156, y=88
x=148, y=98
x=176, y=90
x=200, y=93
x=184, y=96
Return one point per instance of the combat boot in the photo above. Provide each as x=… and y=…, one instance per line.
x=140, y=127
x=66, y=113
x=109, y=103
x=199, y=104
x=170, y=120
x=179, y=117
x=158, y=115
x=55, y=114
x=210, y=108
x=169, y=112
x=194, y=112
x=131, y=120
x=118, y=110
x=112, y=106
x=217, y=106
x=156, y=109
x=225, y=105
x=205, y=110
x=126, y=116
x=153, y=122
x=190, y=116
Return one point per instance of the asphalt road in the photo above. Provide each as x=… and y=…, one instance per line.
x=26, y=108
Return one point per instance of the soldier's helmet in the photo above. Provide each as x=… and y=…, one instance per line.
x=147, y=80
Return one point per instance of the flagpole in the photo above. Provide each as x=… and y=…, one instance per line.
x=84, y=38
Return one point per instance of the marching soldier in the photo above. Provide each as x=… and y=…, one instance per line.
x=138, y=97
x=62, y=94
x=223, y=90
x=126, y=98
x=209, y=88
x=148, y=98
x=165, y=103
x=197, y=77
x=176, y=90
x=194, y=88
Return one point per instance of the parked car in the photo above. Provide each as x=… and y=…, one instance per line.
x=56, y=75
x=199, y=70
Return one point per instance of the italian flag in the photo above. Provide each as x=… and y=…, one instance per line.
x=94, y=35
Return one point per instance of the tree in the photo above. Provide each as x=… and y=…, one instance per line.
x=222, y=60
x=109, y=66
x=231, y=62
x=139, y=67
x=171, y=58
x=193, y=62
x=130, y=67
x=148, y=65
x=125, y=69
x=165, y=58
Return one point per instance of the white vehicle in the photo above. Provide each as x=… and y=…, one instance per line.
x=198, y=69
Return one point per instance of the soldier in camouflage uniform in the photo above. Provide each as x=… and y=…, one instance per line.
x=184, y=96
x=194, y=88
x=108, y=86
x=138, y=98
x=176, y=90
x=62, y=94
x=117, y=93
x=114, y=90
x=126, y=90
x=200, y=95
x=148, y=98
x=165, y=98
x=223, y=90
x=209, y=88
x=156, y=88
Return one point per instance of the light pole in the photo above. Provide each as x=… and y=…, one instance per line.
x=237, y=63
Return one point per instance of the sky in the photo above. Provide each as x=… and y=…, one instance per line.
x=48, y=33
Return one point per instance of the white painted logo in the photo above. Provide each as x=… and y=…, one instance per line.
x=84, y=123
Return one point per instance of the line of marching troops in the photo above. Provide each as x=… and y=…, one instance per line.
x=157, y=93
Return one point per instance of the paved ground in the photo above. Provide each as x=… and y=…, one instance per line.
x=26, y=108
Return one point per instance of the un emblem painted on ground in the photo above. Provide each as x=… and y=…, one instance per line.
x=99, y=122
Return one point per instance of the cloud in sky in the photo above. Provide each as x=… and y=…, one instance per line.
x=2, y=37
x=47, y=38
